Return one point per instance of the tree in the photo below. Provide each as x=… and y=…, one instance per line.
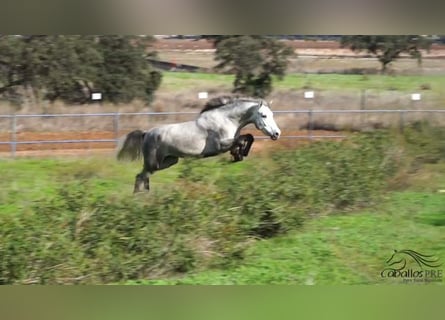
x=388, y=48
x=253, y=60
x=10, y=66
x=70, y=68
x=126, y=72
x=50, y=66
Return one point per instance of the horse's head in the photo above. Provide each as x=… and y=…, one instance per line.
x=265, y=122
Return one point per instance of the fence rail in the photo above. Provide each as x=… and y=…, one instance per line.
x=116, y=117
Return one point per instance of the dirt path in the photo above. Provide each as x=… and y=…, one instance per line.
x=85, y=148
x=308, y=47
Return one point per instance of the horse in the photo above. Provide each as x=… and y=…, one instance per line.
x=216, y=130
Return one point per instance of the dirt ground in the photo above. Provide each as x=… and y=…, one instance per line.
x=311, y=56
x=302, y=47
x=261, y=144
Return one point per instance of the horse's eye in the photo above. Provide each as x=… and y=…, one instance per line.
x=264, y=116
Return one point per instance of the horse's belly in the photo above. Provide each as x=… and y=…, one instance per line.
x=200, y=148
x=186, y=147
x=191, y=141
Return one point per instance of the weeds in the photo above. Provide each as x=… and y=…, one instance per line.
x=88, y=231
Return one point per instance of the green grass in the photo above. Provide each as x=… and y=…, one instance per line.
x=174, y=81
x=429, y=179
x=339, y=249
x=359, y=82
x=405, y=83
x=26, y=180
x=330, y=246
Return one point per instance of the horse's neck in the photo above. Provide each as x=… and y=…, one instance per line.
x=217, y=121
x=241, y=115
x=228, y=122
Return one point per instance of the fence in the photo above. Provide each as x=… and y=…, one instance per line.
x=50, y=130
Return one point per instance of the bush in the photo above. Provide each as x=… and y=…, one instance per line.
x=425, y=143
x=329, y=175
x=85, y=234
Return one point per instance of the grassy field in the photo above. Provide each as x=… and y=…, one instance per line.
x=346, y=248
x=173, y=81
x=332, y=91
x=328, y=241
x=28, y=179
x=179, y=92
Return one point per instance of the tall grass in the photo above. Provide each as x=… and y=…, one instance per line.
x=82, y=225
x=87, y=229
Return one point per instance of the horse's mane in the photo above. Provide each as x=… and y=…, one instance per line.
x=221, y=101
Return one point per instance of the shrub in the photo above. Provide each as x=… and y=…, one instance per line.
x=83, y=233
x=336, y=175
x=425, y=142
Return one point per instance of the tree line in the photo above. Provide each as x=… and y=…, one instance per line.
x=70, y=68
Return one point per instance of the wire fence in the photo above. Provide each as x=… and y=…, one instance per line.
x=21, y=132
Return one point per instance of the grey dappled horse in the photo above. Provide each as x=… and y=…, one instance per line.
x=216, y=130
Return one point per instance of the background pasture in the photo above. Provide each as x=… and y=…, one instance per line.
x=179, y=91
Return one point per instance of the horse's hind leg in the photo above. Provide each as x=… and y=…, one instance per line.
x=142, y=180
x=168, y=162
x=150, y=166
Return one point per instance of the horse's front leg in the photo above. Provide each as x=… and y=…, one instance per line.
x=241, y=147
x=247, y=143
x=236, y=152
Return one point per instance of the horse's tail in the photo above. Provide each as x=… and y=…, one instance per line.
x=130, y=147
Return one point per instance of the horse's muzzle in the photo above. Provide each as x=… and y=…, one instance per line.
x=275, y=136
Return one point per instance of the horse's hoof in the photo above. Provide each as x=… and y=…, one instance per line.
x=138, y=191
